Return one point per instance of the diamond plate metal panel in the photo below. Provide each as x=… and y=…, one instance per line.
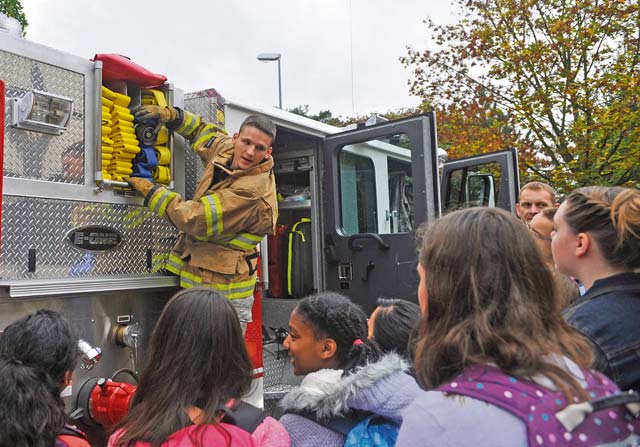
x=35, y=155
x=207, y=104
x=41, y=224
x=276, y=363
x=193, y=170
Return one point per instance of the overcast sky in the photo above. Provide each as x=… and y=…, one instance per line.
x=200, y=44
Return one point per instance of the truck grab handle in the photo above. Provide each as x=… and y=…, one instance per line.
x=358, y=247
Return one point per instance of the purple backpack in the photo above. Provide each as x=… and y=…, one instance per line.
x=550, y=420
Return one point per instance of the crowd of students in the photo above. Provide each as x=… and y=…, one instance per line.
x=502, y=350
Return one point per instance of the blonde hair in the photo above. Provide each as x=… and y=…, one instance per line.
x=612, y=216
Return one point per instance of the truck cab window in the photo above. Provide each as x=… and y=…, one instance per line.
x=376, y=187
x=358, y=194
x=400, y=214
x=475, y=186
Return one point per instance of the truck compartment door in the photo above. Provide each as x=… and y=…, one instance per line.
x=482, y=180
x=379, y=184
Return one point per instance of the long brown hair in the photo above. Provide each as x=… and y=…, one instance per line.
x=612, y=216
x=491, y=299
x=197, y=358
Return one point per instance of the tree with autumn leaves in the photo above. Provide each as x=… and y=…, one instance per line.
x=558, y=79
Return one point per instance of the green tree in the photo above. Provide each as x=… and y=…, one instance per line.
x=464, y=128
x=324, y=116
x=13, y=8
x=562, y=75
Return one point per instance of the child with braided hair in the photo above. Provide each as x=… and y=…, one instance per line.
x=347, y=377
x=596, y=239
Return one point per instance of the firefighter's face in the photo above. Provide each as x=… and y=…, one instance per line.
x=308, y=352
x=252, y=146
x=532, y=201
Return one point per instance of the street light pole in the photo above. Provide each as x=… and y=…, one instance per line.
x=270, y=57
x=279, y=86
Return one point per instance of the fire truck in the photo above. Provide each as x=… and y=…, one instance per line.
x=76, y=240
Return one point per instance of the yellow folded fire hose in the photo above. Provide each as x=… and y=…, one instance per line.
x=128, y=148
x=163, y=154
x=123, y=124
x=121, y=100
x=163, y=136
x=155, y=97
x=162, y=174
x=109, y=94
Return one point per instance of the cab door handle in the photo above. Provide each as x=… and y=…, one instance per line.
x=358, y=247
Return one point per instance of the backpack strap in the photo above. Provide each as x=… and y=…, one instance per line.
x=70, y=436
x=243, y=415
x=71, y=430
x=342, y=425
x=574, y=414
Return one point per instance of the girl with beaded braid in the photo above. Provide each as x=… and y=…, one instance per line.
x=596, y=239
x=346, y=374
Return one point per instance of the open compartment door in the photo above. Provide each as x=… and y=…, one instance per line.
x=482, y=180
x=379, y=184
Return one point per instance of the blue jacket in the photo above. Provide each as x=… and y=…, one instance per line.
x=609, y=316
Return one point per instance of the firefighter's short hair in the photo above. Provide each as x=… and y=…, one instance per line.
x=261, y=123
x=540, y=186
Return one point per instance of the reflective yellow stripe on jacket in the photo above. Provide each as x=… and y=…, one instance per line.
x=160, y=200
x=245, y=241
x=232, y=290
x=242, y=241
x=190, y=123
x=213, y=214
x=214, y=218
x=174, y=264
x=208, y=132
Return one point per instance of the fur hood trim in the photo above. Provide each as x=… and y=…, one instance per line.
x=326, y=392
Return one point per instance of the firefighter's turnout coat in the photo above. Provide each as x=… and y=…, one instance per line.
x=230, y=213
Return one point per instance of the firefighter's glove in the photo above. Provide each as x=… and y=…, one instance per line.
x=155, y=114
x=143, y=186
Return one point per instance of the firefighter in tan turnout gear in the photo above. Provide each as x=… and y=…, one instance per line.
x=233, y=208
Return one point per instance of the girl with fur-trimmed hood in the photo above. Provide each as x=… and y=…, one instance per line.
x=346, y=374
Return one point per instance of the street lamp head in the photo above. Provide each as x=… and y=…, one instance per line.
x=269, y=57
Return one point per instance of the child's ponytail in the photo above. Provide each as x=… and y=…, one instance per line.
x=362, y=351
